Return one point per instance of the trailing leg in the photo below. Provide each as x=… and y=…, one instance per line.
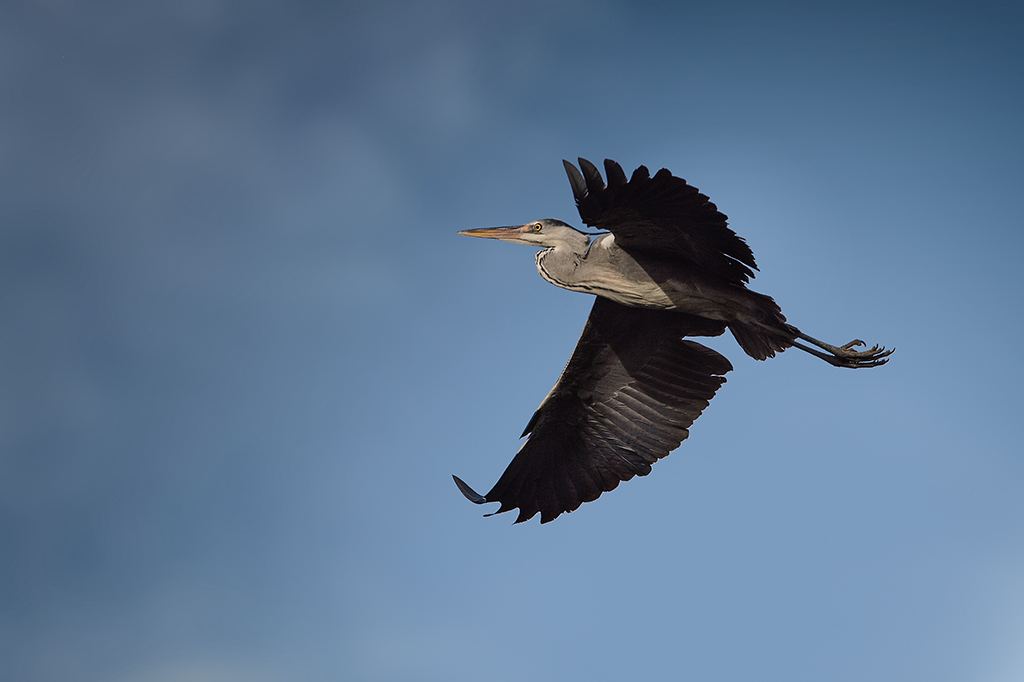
x=845, y=356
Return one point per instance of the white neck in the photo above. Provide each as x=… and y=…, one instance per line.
x=558, y=264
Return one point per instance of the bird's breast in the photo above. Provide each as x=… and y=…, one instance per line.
x=623, y=281
x=612, y=273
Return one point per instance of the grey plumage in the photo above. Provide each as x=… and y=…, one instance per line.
x=667, y=268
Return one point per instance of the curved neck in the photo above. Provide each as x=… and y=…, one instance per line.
x=558, y=264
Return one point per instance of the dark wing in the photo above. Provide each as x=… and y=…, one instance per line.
x=625, y=400
x=663, y=216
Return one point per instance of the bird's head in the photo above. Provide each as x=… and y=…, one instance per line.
x=546, y=233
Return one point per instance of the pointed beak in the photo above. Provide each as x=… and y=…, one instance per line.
x=506, y=234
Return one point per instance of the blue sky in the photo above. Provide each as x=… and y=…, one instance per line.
x=244, y=350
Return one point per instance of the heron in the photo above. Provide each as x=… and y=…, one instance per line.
x=665, y=266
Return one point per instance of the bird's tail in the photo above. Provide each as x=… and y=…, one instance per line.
x=762, y=330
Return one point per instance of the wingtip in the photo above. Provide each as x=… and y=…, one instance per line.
x=471, y=495
x=595, y=183
x=575, y=177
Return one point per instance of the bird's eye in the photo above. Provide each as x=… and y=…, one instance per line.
x=536, y=227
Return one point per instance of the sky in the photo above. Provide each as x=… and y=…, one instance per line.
x=243, y=349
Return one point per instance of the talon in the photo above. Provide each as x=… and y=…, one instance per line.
x=873, y=357
x=846, y=356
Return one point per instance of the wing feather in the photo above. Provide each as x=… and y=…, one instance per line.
x=626, y=399
x=662, y=216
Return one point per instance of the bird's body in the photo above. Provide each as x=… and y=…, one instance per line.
x=668, y=268
x=598, y=269
x=605, y=269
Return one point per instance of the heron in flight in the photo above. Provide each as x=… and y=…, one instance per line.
x=666, y=267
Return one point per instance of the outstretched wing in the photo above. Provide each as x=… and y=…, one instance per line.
x=663, y=216
x=625, y=400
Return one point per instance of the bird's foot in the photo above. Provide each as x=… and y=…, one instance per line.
x=845, y=355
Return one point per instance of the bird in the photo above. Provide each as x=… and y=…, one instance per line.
x=665, y=266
